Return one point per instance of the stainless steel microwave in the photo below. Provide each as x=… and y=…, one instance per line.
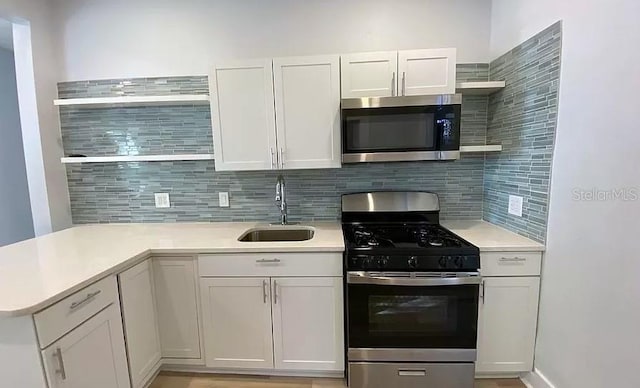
x=406, y=128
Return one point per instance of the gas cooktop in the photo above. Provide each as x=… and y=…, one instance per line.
x=396, y=231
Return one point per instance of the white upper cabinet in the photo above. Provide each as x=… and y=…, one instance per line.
x=243, y=116
x=140, y=322
x=295, y=126
x=92, y=355
x=177, y=305
x=423, y=72
x=507, y=324
x=399, y=73
x=307, y=91
x=369, y=74
x=307, y=323
x=237, y=322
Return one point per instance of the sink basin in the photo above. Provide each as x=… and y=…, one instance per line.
x=277, y=234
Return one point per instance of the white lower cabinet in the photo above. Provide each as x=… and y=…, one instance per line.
x=92, y=355
x=140, y=322
x=177, y=307
x=507, y=324
x=308, y=323
x=237, y=322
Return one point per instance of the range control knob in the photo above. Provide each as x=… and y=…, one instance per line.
x=443, y=262
x=382, y=262
x=367, y=263
x=458, y=262
x=413, y=262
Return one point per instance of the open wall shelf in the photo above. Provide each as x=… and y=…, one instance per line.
x=479, y=88
x=108, y=102
x=135, y=158
x=480, y=148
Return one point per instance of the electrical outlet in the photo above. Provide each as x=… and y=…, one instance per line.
x=162, y=200
x=223, y=199
x=515, y=205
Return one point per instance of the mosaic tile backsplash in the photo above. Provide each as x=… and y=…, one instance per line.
x=523, y=118
x=123, y=192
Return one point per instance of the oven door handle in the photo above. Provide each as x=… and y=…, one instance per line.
x=362, y=278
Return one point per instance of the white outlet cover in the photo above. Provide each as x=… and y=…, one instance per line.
x=515, y=205
x=223, y=199
x=162, y=200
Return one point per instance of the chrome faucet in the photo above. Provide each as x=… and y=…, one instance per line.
x=281, y=199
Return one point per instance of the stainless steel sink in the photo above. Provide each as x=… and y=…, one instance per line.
x=275, y=234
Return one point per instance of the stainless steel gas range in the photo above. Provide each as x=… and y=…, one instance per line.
x=412, y=291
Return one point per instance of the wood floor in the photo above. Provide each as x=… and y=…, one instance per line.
x=173, y=380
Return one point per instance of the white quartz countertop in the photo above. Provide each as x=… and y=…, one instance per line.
x=489, y=237
x=39, y=272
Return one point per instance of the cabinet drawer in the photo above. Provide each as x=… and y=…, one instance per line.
x=510, y=263
x=271, y=264
x=70, y=312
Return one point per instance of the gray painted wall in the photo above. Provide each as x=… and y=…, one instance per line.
x=16, y=223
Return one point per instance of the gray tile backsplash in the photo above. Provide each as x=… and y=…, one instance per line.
x=124, y=192
x=523, y=118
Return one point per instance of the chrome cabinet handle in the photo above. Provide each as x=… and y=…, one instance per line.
x=265, y=261
x=512, y=259
x=264, y=291
x=482, y=292
x=61, y=370
x=84, y=301
x=404, y=78
x=281, y=158
x=275, y=291
x=273, y=156
x=394, y=87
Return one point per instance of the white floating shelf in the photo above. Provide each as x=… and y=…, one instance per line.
x=105, y=102
x=482, y=148
x=136, y=158
x=479, y=88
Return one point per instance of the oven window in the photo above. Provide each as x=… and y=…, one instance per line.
x=389, y=129
x=412, y=317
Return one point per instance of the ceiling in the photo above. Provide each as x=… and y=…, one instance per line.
x=6, y=34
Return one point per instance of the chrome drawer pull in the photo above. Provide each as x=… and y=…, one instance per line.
x=61, y=371
x=275, y=291
x=264, y=291
x=513, y=259
x=266, y=261
x=87, y=299
x=413, y=373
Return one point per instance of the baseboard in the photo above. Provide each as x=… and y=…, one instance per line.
x=250, y=372
x=536, y=379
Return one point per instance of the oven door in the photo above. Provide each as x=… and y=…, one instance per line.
x=411, y=317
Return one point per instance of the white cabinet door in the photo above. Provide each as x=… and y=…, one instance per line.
x=307, y=91
x=425, y=72
x=237, y=322
x=308, y=327
x=369, y=74
x=92, y=355
x=140, y=322
x=177, y=305
x=507, y=324
x=243, y=117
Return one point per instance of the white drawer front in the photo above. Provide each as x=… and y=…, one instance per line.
x=70, y=312
x=510, y=263
x=271, y=264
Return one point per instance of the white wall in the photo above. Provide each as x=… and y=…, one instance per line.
x=16, y=223
x=122, y=38
x=37, y=85
x=590, y=307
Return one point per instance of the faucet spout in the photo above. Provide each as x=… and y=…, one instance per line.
x=281, y=199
